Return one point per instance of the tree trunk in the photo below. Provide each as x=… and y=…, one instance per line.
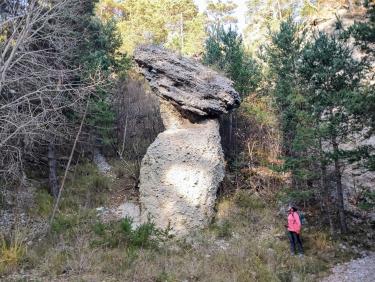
x=230, y=132
x=326, y=201
x=52, y=165
x=339, y=190
x=324, y=187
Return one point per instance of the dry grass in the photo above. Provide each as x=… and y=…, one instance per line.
x=12, y=251
x=245, y=243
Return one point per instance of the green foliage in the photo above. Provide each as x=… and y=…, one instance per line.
x=123, y=233
x=282, y=56
x=264, y=16
x=165, y=277
x=246, y=200
x=99, y=228
x=223, y=229
x=43, y=203
x=298, y=197
x=317, y=86
x=100, y=59
x=99, y=183
x=64, y=222
x=84, y=188
x=142, y=236
x=259, y=108
x=364, y=32
x=364, y=35
x=156, y=22
x=99, y=52
x=367, y=201
x=225, y=51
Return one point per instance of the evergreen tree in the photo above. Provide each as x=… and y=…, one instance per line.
x=177, y=24
x=225, y=51
x=364, y=36
x=282, y=55
x=315, y=86
x=331, y=77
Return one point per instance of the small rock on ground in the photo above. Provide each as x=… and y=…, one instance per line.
x=362, y=269
x=127, y=209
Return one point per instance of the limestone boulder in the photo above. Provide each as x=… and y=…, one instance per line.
x=181, y=172
x=183, y=168
x=186, y=83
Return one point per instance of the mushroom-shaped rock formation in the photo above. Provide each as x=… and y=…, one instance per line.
x=184, y=166
x=186, y=83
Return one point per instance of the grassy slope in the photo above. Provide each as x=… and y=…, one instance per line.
x=246, y=242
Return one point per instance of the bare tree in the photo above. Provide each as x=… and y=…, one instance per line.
x=39, y=85
x=138, y=118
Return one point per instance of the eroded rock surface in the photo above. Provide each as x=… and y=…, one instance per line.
x=186, y=83
x=184, y=166
x=181, y=172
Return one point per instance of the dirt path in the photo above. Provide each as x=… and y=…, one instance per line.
x=358, y=270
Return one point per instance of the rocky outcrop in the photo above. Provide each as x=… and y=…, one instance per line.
x=184, y=166
x=185, y=83
x=358, y=181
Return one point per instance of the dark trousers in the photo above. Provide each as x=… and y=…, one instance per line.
x=295, y=240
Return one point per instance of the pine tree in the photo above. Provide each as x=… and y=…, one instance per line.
x=331, y=78
x=177, y=24
x=226, y=52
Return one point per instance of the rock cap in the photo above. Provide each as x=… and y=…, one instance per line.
x=186, y=83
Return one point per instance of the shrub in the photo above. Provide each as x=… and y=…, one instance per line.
x=143, y=236
x=123, y=233
x=43, y=203
x=64, y=222
x=367, y=200
x=224, y=229
x=246, y=200
x=126, y=226
x=288, y=195
x=99, y=228
x=164, y=277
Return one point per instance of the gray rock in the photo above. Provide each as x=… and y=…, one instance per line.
x=183, y=168
x=187, y=84
x=361, y=269
x=181, y=172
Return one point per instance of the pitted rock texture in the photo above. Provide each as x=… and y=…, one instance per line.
x=181, y=172
x=186, y=83
x=183, y=168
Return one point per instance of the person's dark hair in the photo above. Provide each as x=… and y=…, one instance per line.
x=293, y=208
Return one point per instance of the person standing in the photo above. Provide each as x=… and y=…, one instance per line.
x=294, y=231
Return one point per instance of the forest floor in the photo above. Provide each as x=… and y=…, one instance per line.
x=246, y=241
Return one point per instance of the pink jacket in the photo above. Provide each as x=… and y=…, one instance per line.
x=294, y=223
